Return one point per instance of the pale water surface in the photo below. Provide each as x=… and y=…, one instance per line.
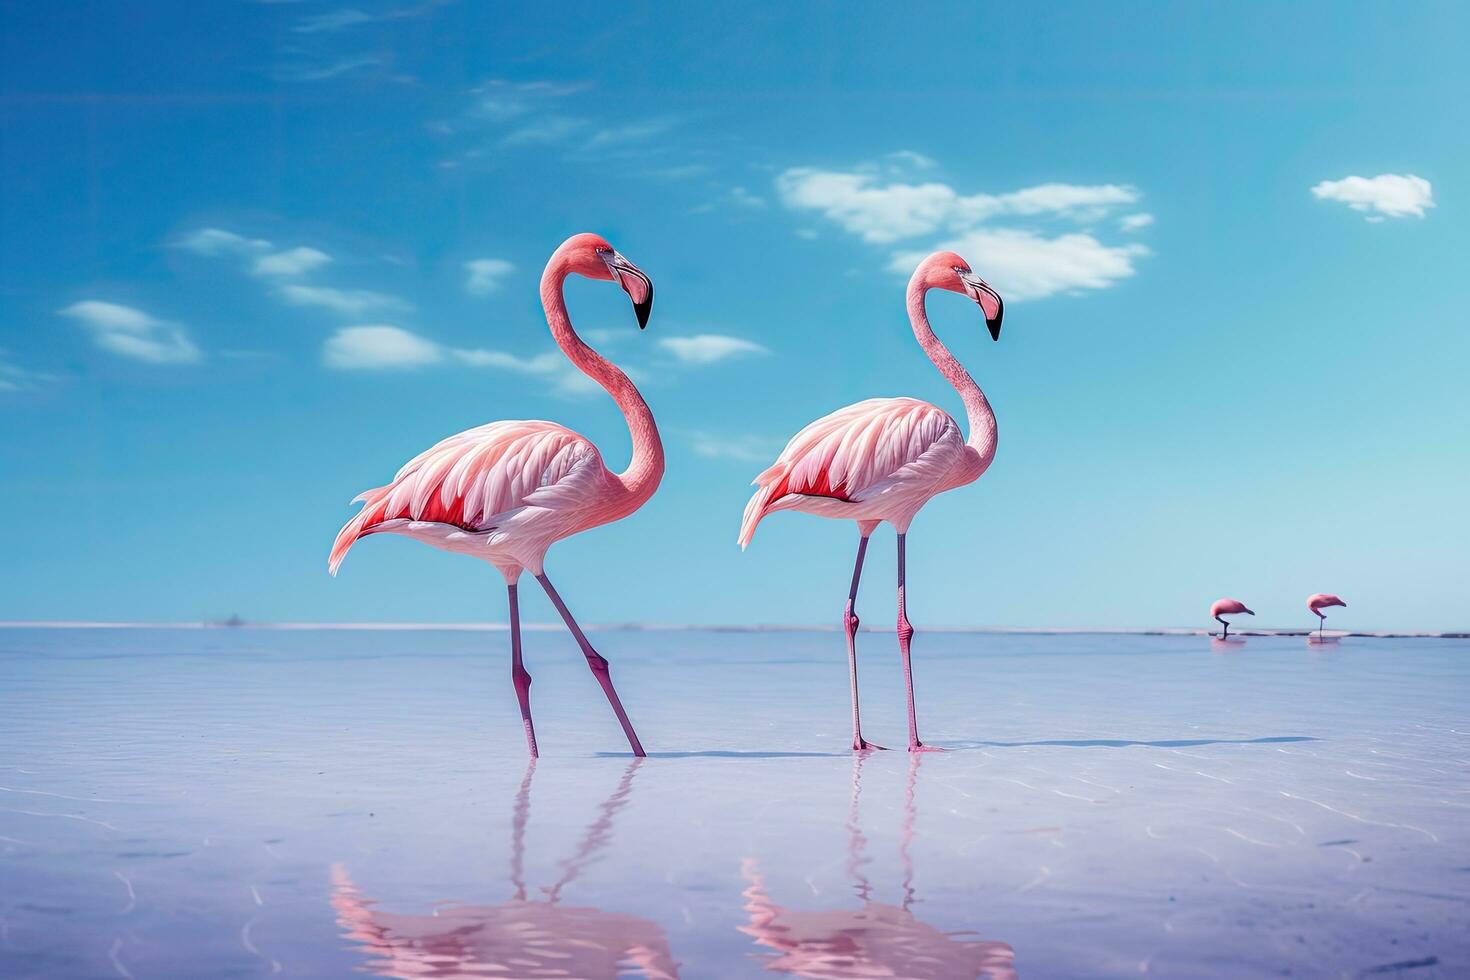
x=248, y=803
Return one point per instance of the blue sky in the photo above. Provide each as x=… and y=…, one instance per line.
x=1227, y=367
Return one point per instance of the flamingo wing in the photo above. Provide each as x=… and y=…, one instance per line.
x=481, y=479
x=857, y=453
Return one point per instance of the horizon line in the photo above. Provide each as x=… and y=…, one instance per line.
x=488, y=627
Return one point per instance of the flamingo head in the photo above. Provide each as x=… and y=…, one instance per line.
x=946, y=270
x=591, y=256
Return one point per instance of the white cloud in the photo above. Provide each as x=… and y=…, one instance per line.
x=217, y=241
x=744, y=198
x=547, y=363
x=289, y=263
x=484, y=276
x=909, y=158
x=1025, y=256
x=563, y=377
x=708, y=348
x=1024, y=265
x=378, y=347
x=348, y=302
x=131, y=333
x=886, y=212
x=876, y=213
x=1386, y=196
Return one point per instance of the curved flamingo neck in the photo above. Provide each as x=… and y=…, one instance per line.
x=647, y=465
x=977, y=408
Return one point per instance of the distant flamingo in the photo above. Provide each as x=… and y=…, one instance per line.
x=882, y=459
x=1321, y=601
x=506, y=491
x=1227, y=607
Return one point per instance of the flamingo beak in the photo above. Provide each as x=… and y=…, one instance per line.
x=637, y=285
x=979, y=290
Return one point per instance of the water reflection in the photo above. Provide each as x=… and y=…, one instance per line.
x=523, y=937
x=876, y=939
x=1227, y=645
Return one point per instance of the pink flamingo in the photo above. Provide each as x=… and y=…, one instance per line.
x=1321, y=601
x=882, y=459
x=1227, y=607
x=506, y=491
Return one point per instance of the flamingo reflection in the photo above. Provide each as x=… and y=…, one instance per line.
x=877, y=939
x=523, y=937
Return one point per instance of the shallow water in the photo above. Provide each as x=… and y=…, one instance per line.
x=240, y=802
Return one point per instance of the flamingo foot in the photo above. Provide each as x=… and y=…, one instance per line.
x=921, y=747
x=863, y=745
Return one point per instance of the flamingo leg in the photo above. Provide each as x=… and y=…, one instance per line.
x=905, y=636
x=1226, y=631
x=518, y=674
x=596, y=661
x=850, y=627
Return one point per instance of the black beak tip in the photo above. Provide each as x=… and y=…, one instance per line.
x=642, y=310
x=994, y=326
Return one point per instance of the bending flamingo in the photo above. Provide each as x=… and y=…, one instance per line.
x=882, y=459
x=506, y=491
x=1227, y=607
x=1321, y=601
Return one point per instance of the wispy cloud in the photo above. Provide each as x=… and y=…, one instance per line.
x=502, y=116
x=320, y=71
x=546, y=363
x=630, y=132
x=290, y=263
x=1012, y=238
x=133, y=334
x=288, y=272
x=1384, y=196
x=335, y=20
x=740, y=448
x=739, y=195
x=381, y=347
x=378, y=347
x=217, y=241
x=499, y=100
x=13, y=377
x=546, y=129
x=348, y=302
x=1135, y=222
x=349, y=17
x=484, y=276
x=881, y=212
x=708, y=348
